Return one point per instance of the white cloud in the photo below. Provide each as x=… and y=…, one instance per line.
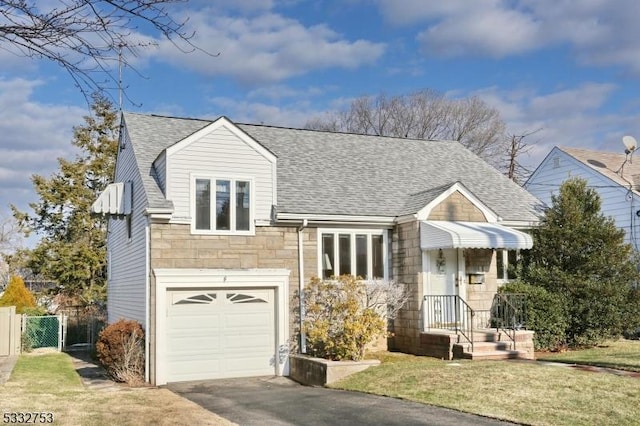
x=599, y=32
x=567, y=117
x=267, y=48
x=32, y=136
x=294, y=114
x=496, y=32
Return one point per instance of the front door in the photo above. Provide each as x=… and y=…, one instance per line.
x=442, y=279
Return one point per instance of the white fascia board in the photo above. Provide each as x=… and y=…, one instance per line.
x=489, y=214
x=406, y=218
x=519, y=224
x=158, y=215
x=337, y=219
x=229, y=125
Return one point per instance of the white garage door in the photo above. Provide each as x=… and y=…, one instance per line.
x=213, y=334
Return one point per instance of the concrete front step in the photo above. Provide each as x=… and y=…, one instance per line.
x=489, y=335
x=490, y=346
x=486, y=350
x=494, y=355
x=446, y=344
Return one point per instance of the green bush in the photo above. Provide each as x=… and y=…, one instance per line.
x=546, y=314
x=580, y=255
x=338, y=323
x=120, y=349
x=16, y=294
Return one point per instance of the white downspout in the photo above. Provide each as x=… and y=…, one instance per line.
x=146, y=304
x=303, y=336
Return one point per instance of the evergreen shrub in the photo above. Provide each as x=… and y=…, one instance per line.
x=546, y=314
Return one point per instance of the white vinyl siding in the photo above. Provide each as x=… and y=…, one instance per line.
x=616, y=200
x=160, y=167
x=126, y=286
x=222, y=154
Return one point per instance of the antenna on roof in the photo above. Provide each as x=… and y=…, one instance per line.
x=630, y=146
x=120, y=46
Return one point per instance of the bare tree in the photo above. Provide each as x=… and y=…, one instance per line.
x=426, y=114
x=10, y=240
x=517, y=146
x=86, y=37
x=10, y=236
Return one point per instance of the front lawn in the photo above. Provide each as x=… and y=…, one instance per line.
x=49, y=383
x=621, y=355
x=520, y=391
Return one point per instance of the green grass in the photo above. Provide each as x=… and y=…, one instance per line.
x=49, y=383
x=37, y=373
x=621, y=355
x=524, y=392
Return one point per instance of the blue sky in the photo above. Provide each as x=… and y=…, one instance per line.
x=570, y=68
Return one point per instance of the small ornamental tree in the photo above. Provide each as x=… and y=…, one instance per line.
x=580, y=254
x=345, y=314
x=16, y=294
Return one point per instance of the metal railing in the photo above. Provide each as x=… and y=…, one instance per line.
x=509, y=314
x=449, y=312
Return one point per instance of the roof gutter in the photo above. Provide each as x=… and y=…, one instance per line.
x=327, y=219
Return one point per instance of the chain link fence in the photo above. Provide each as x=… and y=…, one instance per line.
x=41, y=332
x=82, y=326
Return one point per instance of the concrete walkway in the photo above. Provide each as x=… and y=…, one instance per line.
x=6, y=367
x=93, y=376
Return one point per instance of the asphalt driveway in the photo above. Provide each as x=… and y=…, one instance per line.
x=280, y=401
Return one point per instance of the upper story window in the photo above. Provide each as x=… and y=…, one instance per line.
x=222, y=205
x=352, y=252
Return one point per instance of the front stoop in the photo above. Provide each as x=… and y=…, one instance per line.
x=489, y=344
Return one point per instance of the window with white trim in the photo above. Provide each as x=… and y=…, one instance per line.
x=506, y=264
x=352, y=252
x=222, y=205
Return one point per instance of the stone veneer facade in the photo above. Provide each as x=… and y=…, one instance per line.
x=407, y=268
x=174, y=246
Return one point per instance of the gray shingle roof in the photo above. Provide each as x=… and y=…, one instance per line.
x=608, y=164
x=348, y=174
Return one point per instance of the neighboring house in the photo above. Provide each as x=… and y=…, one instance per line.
x=215, y=226
x=614, y=176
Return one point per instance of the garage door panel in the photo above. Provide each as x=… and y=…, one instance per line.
x=203, y=324
x=238, y=366
x=249, y=320
x=247, y=342
x=220, y=334
x=205, y=345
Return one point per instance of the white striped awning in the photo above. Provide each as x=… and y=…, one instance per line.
x=441, y=235
x=115, y=200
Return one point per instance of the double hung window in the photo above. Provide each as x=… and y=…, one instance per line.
x=222, y=205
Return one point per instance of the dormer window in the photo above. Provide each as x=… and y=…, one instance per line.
x=222, y=205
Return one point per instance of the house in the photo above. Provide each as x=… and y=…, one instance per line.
x=215, y=225
x=615, y=176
